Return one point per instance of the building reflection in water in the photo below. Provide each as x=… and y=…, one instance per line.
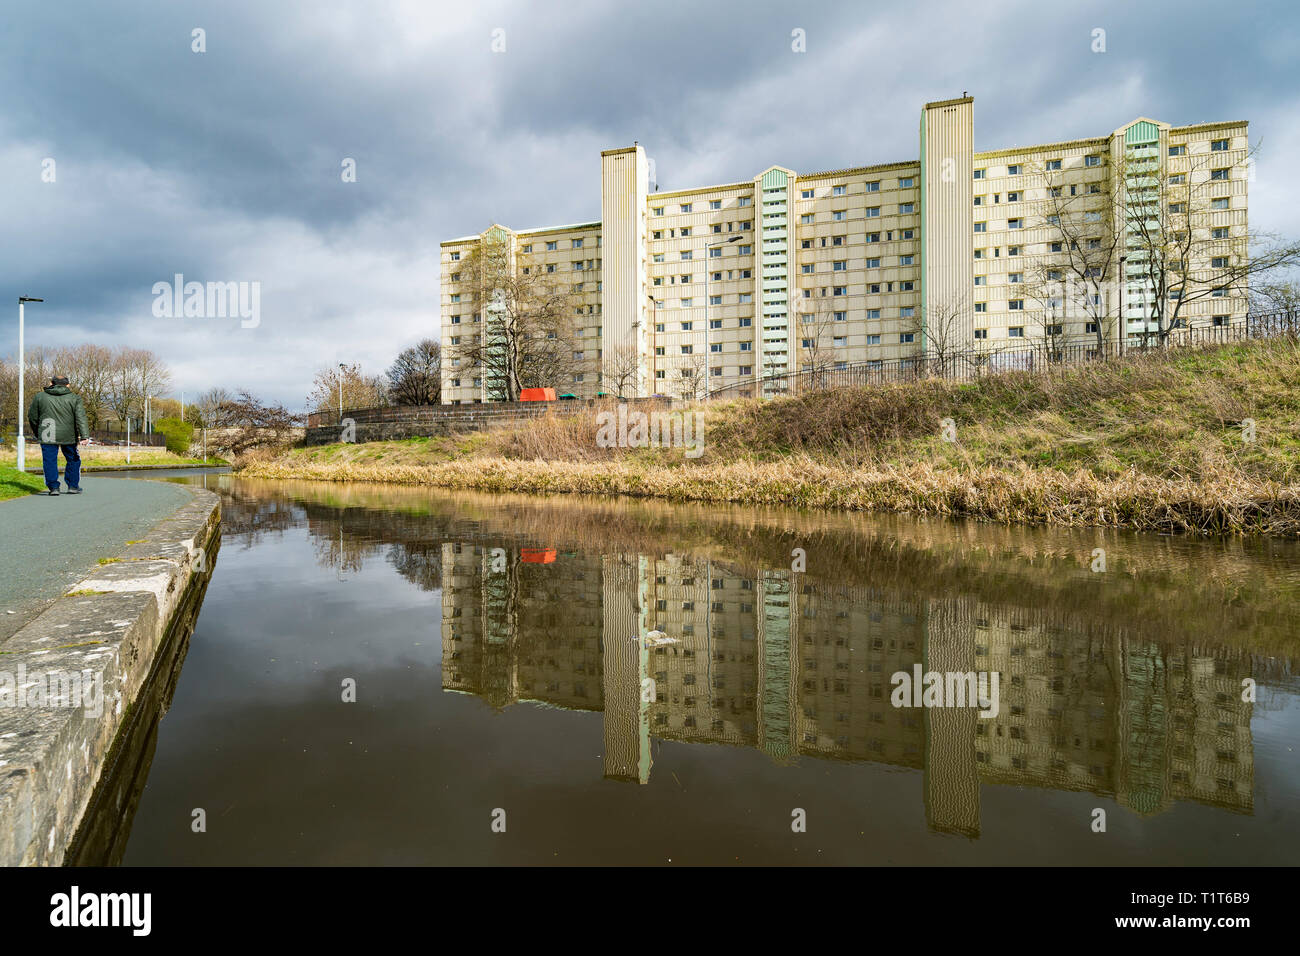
x=798, y=667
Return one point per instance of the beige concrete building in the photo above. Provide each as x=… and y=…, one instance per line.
x=958, y=249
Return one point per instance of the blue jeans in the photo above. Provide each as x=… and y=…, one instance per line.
x=71, y=471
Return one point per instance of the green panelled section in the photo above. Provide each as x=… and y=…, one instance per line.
x=1142, y=132
x=777, y=678
x=774, y=178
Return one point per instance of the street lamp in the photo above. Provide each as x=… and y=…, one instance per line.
x=22, y=369
x=707, y=247
x=650, y=339
x=341, y=366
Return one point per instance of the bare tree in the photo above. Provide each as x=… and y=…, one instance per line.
x=1176, y=248
x=691, y=384
x=415, y=377
x=1086, y=219
x=522, y=325
x=941, y=335
x=358, y=389
x=206, y=405
x=817, y=339
x=622, y=369
x=89, y=369
x=133, y=375
x=1278, y=295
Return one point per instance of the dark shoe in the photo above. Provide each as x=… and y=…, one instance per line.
x=74, y=491
x=53, y=492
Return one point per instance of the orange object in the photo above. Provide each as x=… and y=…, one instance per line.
x=537, y=555
x=537, y=395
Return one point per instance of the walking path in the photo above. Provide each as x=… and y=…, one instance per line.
x=49, y=544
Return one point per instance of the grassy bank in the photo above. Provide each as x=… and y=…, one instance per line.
x=15, y=483
x=95, y=457
x=1205, y=441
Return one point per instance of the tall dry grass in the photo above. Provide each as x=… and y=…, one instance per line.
x=1023, y=494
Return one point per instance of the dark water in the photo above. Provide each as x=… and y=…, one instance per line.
x=491, y=644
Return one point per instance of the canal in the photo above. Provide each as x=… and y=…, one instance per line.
x=386, y=675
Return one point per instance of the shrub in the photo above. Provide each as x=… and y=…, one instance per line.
x=179, y=434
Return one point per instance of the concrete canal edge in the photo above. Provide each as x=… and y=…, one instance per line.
x=87, y=657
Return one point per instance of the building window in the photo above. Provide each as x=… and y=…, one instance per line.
x=1016, y=332
x=906, y=208
x=873, y=313
x=1016, y=305
x=838, y=215
x=1219, y=203
x=839, y=265
x=1218, y=145
x=906, y=260
x=906, y=337
x=1220, y=174
x=981, y=333
x=742, y=201
x=838, y=190
x=981, y=227
x=981, y=306
x=873, y=339
x=906, y=183
x=979, y=174
x=1015, y=169
x=1179, y=150
x=686, y=207
x=552, y=246
x=455, y=257
x=806, y=194
x=1015, y=224
x=715, y=203
x=873, y=187
x=1092, y=160
x=1053, y=164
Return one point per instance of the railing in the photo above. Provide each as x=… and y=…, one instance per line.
x=1042, y=355
x=428, y=414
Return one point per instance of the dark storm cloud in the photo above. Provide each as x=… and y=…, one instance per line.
x=225, y=165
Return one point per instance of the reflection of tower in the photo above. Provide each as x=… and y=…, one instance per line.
x=626, y=662
x=778, y=664
x=499, y=587
x=952, y=788
x=1142, y=727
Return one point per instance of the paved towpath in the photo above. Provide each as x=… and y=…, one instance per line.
x=49, y=544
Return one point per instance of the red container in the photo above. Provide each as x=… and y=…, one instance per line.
x=537, y=395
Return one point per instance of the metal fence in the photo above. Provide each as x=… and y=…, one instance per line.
x=1039, y=356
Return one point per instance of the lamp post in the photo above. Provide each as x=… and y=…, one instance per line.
x=22, y=369
x=654, y=322
x=707, y=247
x=341, y=366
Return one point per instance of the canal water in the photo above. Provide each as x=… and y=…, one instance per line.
x=383, y=675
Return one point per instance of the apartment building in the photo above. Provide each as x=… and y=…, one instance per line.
x=683, y=291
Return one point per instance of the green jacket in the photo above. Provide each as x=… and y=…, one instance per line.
x=61, y=406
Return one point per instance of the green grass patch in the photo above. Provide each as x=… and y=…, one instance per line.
x=16, y=484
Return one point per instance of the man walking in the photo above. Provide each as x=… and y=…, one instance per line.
x=58, y=419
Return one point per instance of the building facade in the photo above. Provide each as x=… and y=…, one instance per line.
x=956, y=250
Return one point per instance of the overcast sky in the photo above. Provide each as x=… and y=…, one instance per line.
x=225, y=165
